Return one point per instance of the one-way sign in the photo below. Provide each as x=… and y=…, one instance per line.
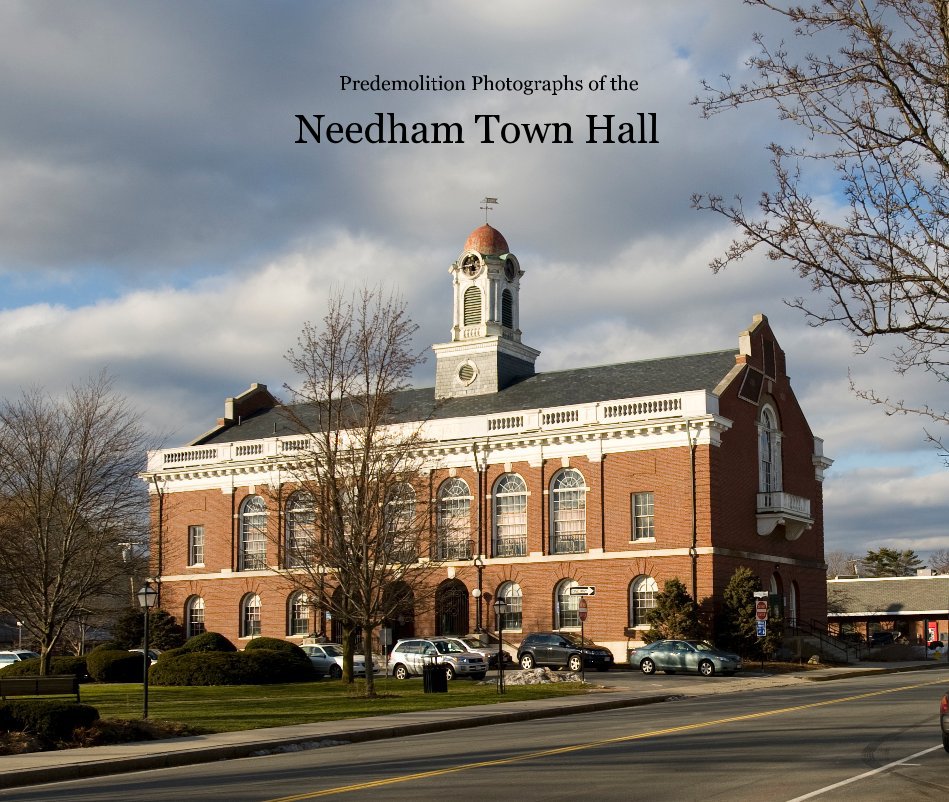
x=583, y=590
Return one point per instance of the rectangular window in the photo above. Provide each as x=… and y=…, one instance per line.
x=643, y=520
x=195, y=545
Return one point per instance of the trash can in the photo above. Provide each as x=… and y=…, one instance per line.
x=434, y=678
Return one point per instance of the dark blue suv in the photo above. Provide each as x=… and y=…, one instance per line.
x=562, y=649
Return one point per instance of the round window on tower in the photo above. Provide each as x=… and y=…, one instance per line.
x=471, y=265
x=467, y=373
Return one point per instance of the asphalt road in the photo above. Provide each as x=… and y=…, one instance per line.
x=871, y=738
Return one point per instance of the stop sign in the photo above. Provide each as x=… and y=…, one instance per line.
x=761, y=609
x=583, y=609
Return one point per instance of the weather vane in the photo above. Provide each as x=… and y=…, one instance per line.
x=487, y=203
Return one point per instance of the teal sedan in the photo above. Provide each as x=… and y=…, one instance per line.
x=673, y=656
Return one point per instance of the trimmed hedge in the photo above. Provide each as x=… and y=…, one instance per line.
x=205, y=642
x=48, y=720
x=114, y=665
x=66, y=664
x=277, y=645
x=254, y=667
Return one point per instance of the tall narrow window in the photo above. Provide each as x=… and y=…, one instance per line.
x=400, y=525
x=642, y=598
x=299, y=614
x=300, y=523
x=568, y=520
x=454, y=521
x=195, y=545
x=512, y=617
x=510, y=516
x=769, y=452
x=250, y=616
x=473, y=306
x=252, y=555
x=643, y=522
x=507, y=309
x=566, y=606
x=194, y=616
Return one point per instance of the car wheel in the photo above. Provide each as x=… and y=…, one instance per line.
x=479, y=675
x=449, y=673
x=574, y=663
x=706, y=669
x=400, y=672
x=527, y=661
x=647, y=666
x=945, y=741
x=336, y=672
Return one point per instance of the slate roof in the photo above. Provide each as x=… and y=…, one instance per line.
x=888, y=596
x=540, y=391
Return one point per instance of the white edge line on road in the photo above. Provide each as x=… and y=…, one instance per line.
x=866, y=774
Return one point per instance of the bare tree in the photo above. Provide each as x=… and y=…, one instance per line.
x=842, y=563
x=939, y=561
x=874, y=105
x=356, y=530
x=70, y=498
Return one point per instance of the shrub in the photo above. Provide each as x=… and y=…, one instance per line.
x=254, y=667
x=114, y=665
x=277, y=645
x=66, y=664
x=47, y=720
x=209, y=642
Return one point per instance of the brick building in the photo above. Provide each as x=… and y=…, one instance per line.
x=617, y=477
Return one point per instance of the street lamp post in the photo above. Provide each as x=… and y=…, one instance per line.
x=146, y=599
x=477, y=593
x=500, y=607
x=19, y=627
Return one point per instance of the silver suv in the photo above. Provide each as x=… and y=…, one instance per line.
x=411, y=655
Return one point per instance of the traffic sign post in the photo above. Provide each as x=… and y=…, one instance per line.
x=583, y=590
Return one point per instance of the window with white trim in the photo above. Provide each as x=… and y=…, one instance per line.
x=643, y=518
x=510, y=516
x=566, y=606
x=769, y=451
x=300, y=529
x=512, y=616
x=250, y=616
x=252, y=552
x=453, y=522
x=195, y=545
x=400, y=525
x=642, y=599
x=194, y=616
x=299, y=614
x=568, y=514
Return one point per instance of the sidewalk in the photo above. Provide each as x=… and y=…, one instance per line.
x=70, y=764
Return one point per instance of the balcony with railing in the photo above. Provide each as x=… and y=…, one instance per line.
x=568, y=544
x=511, y=546
x=451, y=549
x=777, y=508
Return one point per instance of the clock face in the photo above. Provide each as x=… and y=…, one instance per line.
x=471, y=266
x=510, y=270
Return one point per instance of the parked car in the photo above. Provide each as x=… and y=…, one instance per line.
x=14, y=656
x=490, y=655
x=671, y=656
x=944, y=720
x=411, y=655
x=327, y=658
x=152, y=654
x=556, y=649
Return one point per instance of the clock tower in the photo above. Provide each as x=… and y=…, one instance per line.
x=485, y=353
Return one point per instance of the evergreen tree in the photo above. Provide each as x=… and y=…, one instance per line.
x=164, y=632
x=737, y=629
x=892, y=562
x=675, y=614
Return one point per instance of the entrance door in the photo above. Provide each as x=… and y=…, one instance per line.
x=451, y=608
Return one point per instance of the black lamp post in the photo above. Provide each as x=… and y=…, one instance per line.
x=500, y=607
x=478, y=593
x=146, y=599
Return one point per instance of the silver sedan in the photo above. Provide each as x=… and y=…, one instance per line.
x=671, y=656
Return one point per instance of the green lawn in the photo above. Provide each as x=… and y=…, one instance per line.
x=244, y=707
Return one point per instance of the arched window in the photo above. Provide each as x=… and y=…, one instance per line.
x=507, y=309
x=512, y=615
x=769, y=452
x=642, y=599
x=472, y=306
x=250, y=615
x=252, y=553
x=566, y=606
x=793, y=604
x=194, y=616
x=454, y=521
x=568, y=514
x=400, y=525
x=299, y=614
x=510, y=516
x=300, y=530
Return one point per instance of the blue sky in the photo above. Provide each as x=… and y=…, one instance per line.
x=157, y=219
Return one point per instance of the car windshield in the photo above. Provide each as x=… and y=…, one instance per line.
x=702, y=646
x=332, y=651
x=447, y=647
x=576, y=640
